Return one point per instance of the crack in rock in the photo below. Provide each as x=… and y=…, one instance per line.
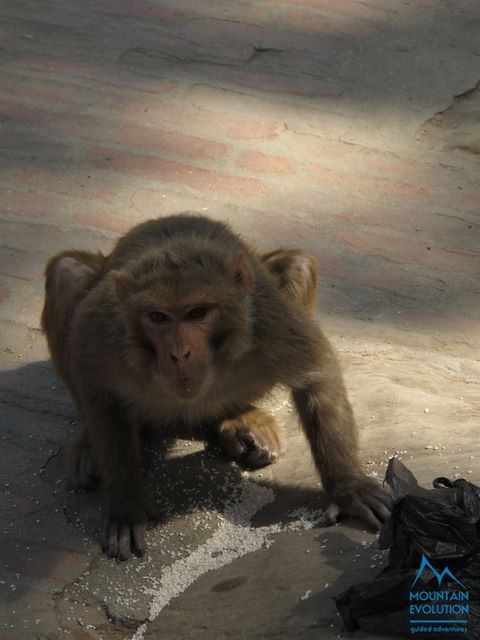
x=260, y=53
x=458, y=126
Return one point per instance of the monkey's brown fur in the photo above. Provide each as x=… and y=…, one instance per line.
x=183, y=322
x=296, y=274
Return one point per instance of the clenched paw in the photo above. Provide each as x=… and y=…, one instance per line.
x=361, y=497
x=253, y=439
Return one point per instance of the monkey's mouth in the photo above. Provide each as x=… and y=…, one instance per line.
x=185, y=387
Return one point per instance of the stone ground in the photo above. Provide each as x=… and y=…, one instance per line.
x=348, y=128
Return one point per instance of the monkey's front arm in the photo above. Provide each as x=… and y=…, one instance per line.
x=328, y=422
x=116, y=455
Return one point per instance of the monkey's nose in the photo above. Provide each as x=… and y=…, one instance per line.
x=178, y=355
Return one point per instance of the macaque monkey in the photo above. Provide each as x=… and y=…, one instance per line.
x=184, y=324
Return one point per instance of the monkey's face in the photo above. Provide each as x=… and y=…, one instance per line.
x=180, y=342
x=187, y=320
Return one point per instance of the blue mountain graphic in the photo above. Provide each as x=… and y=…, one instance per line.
x=425, y=564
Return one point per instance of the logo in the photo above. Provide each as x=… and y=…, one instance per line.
x=439, y=610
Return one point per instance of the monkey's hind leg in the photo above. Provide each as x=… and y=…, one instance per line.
x=253, y=439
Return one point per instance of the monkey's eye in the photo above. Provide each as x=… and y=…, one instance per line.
x=197, y=314
x=158, y=316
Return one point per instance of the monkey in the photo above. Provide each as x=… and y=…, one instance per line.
x=184, y=323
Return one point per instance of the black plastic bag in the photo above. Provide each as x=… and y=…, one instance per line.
x=432, y=581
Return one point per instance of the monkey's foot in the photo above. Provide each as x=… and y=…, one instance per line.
x=361, y=497
x=121, y=539
x=253, y=439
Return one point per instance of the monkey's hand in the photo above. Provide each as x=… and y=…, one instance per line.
x=125, y=533
x=362, y=497
x=253, y=439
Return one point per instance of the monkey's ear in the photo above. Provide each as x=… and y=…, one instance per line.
x=121, y=281
x=243, y=274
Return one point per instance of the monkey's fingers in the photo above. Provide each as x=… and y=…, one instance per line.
x=363, y=498
x=253, y=439
x=122, y=539
x=124, y=542
x=370, y=512
x=333, y=513
x=138, y=540
x=373, y=508
x=233, y=446
x=110, y=543
x=257, y=454
x=385, y=495
x=381, y=511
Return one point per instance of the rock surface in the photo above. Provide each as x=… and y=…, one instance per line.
x=348, y=128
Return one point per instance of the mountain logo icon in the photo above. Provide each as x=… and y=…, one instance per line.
x=425, y=564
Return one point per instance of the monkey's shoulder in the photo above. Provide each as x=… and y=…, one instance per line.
x=96, y=324
x=290, y=343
